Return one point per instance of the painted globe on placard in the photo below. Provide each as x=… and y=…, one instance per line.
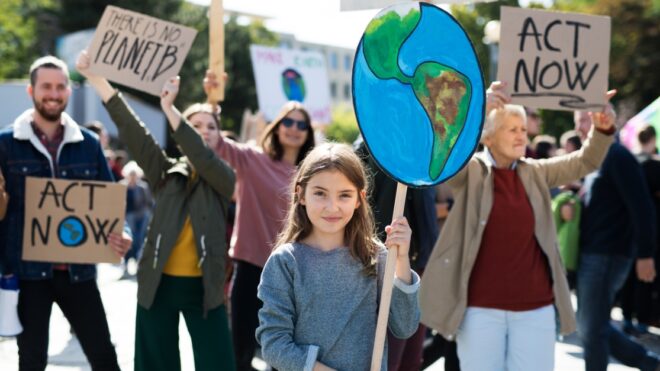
x=293, y=85
x=71, y=232
x=418, y=93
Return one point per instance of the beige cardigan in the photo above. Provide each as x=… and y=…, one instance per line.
x=444, y=287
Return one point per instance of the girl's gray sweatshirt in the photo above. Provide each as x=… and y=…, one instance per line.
x=320, y=306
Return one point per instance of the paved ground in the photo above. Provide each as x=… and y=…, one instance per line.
x=119, y=299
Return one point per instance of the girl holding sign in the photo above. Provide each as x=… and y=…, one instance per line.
x=320, y=287
x=495, y=280
x=262, y=180
x=182, y=267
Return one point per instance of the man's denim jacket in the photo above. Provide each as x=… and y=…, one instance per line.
x=80, y=156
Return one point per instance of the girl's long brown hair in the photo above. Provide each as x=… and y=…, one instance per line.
x=359, y=234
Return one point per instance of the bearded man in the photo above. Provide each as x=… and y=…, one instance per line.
x=46, y=142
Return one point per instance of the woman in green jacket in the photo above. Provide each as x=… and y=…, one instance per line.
x=182, y=268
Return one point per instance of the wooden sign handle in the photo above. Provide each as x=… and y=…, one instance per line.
x=217, y=50
x=388, y=282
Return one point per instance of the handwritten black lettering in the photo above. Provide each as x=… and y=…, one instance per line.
x=170, y=53
x=136, y=70
x=170, y=34
x=521, y=67
x=99, y=228
x=576, y=35
x=112, y=18
x=152, y=30
x=548, y=28
x=544, y=70
x=36, y=227
x=133, y=54
x=65, y=205
x=524, y=81
x=158, y=46
x=121, y=48
x=529, y=23
x=91, y=187
x=567, y=100
x=49, y=190
x=108, y=37
x=578, y=75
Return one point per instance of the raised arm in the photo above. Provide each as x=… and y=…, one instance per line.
x=567, y=168
x=211, y=168
x=237, y=155
x=140, y=143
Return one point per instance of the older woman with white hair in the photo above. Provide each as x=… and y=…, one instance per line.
x=495, y=281
x=138, y=210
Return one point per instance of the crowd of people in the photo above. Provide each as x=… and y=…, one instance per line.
x=485, y=264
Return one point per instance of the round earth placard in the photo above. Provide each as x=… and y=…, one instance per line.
x=418, y=93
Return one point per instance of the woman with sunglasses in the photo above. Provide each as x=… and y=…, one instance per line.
x=263, y=178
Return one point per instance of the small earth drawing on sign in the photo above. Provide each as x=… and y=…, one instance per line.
x=293, y=85
x=71, y=232
x=418, y=93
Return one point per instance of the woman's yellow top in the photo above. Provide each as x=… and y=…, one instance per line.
x=183, y=260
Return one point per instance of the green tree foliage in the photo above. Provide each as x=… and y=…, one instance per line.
x=240, y=92
x=473, y=19
x=634, y=54
x=28, y=29
x=76, y=15
x=21, y=24
x=344, y=127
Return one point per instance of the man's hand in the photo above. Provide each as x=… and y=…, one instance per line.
x=211, y=81
x=82, y=64
x=120, y=243
x=99, y=83
x=496, y=98
x=169, y=93
x=645, y=269
x=604, y=121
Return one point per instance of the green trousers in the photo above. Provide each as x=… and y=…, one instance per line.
x=157, y=329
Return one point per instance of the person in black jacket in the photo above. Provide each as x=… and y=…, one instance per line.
x=617, y=230
x=637, y=297
x=421, y=214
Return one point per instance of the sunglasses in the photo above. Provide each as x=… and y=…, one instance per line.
x=300, y=124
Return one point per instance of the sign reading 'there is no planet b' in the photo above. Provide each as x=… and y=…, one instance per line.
x=554, y=60
x=137, y=50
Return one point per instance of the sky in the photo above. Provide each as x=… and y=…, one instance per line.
x=318, y=21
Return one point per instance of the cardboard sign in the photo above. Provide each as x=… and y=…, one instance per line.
x=282, y=75
x=137, y=50
x=378, y=4
x=68, y=221
x=554, y=60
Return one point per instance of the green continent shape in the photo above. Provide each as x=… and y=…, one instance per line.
x=303, y=90
x=445, y=94
x=383, y=39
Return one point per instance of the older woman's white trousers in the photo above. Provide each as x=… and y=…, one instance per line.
x=499, y=340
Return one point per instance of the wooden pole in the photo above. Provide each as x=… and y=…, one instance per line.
x=388, y=282
x=217, y=50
